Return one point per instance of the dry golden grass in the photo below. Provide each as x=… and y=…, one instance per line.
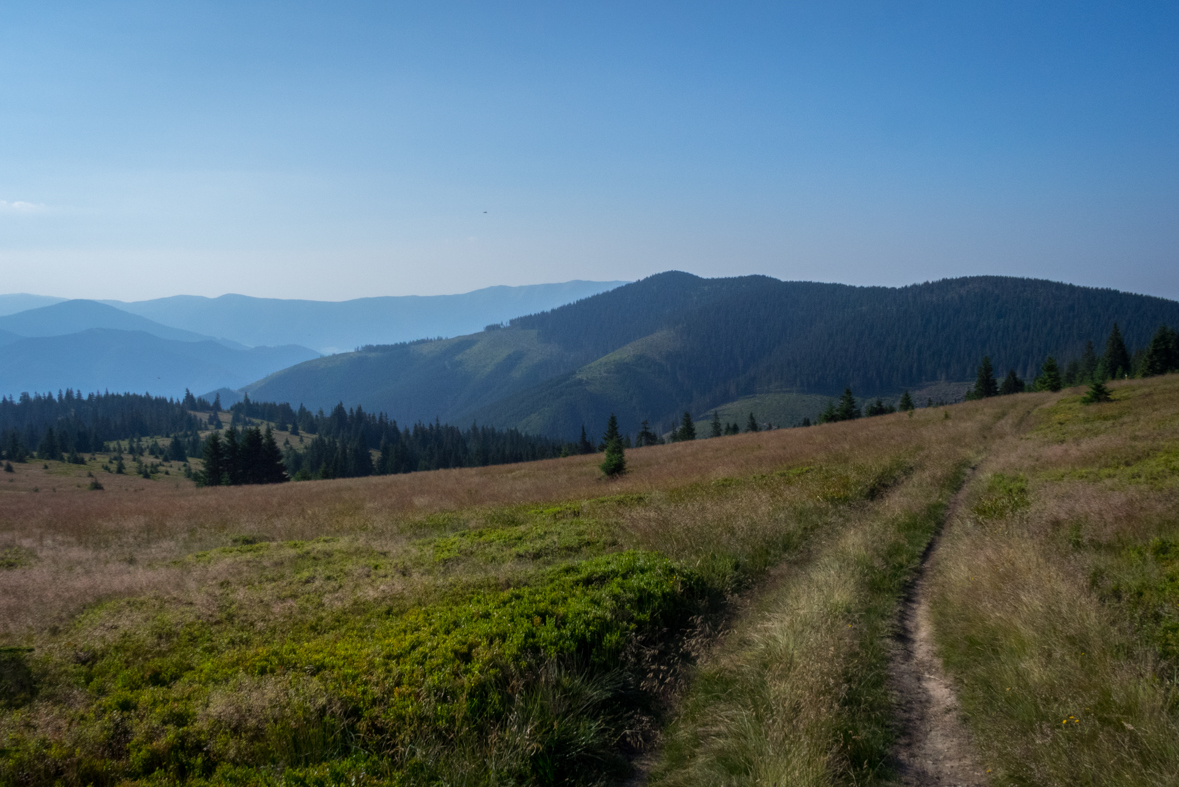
x=794, y=694
x=91, y=546
x=1060, y=685
x=835, y=516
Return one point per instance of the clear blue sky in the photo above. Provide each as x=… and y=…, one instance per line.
x=337, y=150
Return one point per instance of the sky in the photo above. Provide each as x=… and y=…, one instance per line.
x=341, y=150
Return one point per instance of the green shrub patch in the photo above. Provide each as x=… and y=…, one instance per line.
x=410, y=694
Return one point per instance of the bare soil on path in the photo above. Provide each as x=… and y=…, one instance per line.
x=934, y=748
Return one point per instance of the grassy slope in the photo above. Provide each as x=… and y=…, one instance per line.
x=1057, y=593
x=446, y=379
x=779, y=409
x=531, y=623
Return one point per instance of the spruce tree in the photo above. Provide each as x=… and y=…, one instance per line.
x=48, y=448
x=214, y=461
x=1049, y=379
x=751, y=425
x=1088, y=363
x=847, y=409
x=614, y=461
x=687, y=430
x=646, y=436
x=1097, y=393
x=232, y=465
x=1011, y=384
x=584, y=446
x=985, y=385
x=1160, y=356
x=906, y=402
x=176, y=452
x=1117, y=357
x=611, y=431
x=717, y=429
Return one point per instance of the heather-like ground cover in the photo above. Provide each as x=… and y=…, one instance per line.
x=723, y=613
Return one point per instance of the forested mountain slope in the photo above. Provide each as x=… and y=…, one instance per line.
x=674, y=341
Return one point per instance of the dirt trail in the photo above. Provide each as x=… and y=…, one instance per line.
x=934, y=748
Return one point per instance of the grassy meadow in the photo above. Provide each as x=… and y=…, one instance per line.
x=722, y=614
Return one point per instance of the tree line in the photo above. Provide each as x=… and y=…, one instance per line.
x=351, y=442
x=71, y=424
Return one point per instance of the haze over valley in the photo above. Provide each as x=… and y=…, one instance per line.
x=589, y=394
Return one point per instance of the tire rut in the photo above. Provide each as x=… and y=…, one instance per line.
x=933, y=748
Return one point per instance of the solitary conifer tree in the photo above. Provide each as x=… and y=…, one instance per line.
x=1049, y=379
x=717, y=429
x=985, y=385
x=751, y=424
x=687, y=430
x=906, y=402
x=614, y=462
x=1097, y=393
x=611, y=431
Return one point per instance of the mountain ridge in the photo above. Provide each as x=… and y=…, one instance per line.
x=73, y=316
x=336, y=326
x=674, y=342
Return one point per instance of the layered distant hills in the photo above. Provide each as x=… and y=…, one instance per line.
x=90, y=346
x=336, y=326
x=167, y=345
x=644, y=351
x=100, y=360
x=651, y=349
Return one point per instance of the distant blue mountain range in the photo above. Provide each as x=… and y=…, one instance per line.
x=167, y=345
x=342, y=326
x=102, y=359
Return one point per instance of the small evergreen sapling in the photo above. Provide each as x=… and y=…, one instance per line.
x=1097, y=393
x=906, y=403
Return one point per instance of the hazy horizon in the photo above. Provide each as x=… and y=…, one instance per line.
x=327, y=153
